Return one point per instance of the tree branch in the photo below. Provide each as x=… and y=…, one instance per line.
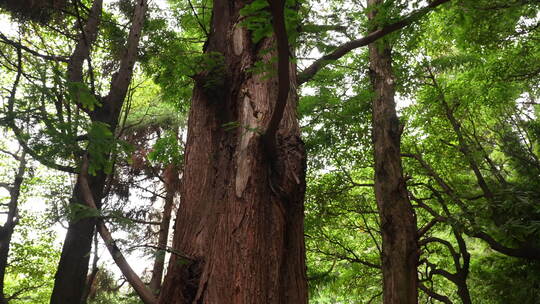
x=277, y=8
x=144, y=293
x=308, y=73
x=19, y=46
x=523, y=252
x=434, y=295
x=18, y=132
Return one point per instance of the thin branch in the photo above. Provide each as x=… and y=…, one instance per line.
x=203, y=28
x=431, y=293
x=19, y=46
x=18, y=132
x=144, y=293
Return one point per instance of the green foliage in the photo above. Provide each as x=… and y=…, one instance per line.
x=32, y=263
x=166, y=150
x=501, y=280
x=469, y=70
x=258, y=20
x=79, y=93
x=100, y=143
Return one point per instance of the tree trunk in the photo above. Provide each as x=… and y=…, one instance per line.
x=239, y=230
x=398, y=222
x=6, y=231
x=172, y=182
x=70, y=277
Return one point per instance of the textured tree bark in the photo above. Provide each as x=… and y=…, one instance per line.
x=72, y=269
x=398, y=222
x=172, y=182
x=239, y=229
x=6, y=231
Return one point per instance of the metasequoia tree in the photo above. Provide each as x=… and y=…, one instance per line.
x=243, y=182
x=171, y=183
x=239, y=229
x=398, y=222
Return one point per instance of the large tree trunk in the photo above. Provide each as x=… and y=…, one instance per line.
x=398, y=222
x=172, y=182
x=239, y=230
x=6, y=231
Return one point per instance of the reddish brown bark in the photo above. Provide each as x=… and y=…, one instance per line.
x=239, y=230
x=398, y=223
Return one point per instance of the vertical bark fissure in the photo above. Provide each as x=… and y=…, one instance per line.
x=398, y=222
x=245, y=232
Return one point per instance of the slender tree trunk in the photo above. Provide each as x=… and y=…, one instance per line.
x=72, y=269
x=239, y=230
x=172, y=182
x=398, y=222
x=6, y=231
x=70, y=279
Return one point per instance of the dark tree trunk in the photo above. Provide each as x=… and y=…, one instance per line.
x=172, y=182
x=398, y=222
x=6, y=231
x=70, y=279
x=239, y=230
x=72, y=270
